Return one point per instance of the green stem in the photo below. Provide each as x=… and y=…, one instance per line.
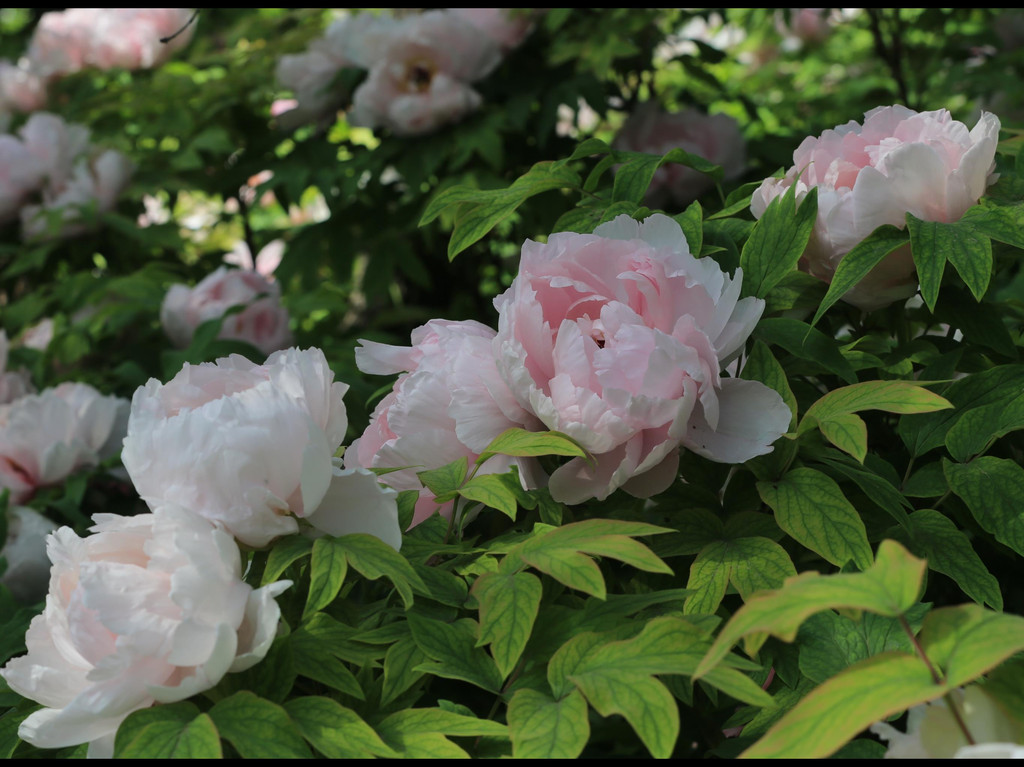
x=948, y=697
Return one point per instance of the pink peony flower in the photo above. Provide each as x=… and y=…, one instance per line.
x=508, y=27
x=263, y=323
x=616, y=338
x=449, y=403
x=716, y=138
x=310, y=75
x=899, y=161
x=21, y=88
x=420, y=70
x=806, y=25
x=28, y=569
x=93, y=186
x=13, y=383
x=147, y=609
x=248, y=446
x=45, y=437
x=67, y=41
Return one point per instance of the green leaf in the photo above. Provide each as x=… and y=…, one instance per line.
x=856, y=264
x=400, y=665
x=978, y=428
x=453, y=648
x=490, y=490
x=285, y=551
x=830, y=643
x=374, y=558
x=880, y=490
x=921, y=433
x=560, y=552
x=10, y=721
x=667, y=645
x=778, y=240
x=836, y=711
x=1004, y=223
x=257, y=728
x=312, y=658
x=175, y=731
x=445, y=479
x=327, y=572
x=335, y=731
x=966, y=641
x=750, y=564
x=691, y=221
x=544, y=728
x=762, y=366
x=519, y=442
x=889, y=587
x=645, y=703
x=807, y=343
x=811, y=507
x=935, y=537
x=479, y=211
x=634, y=175
x=421, y=732
x=934, y=242
x=508, y=610
x=889, y=396
x=848, y=432
x=993, y=489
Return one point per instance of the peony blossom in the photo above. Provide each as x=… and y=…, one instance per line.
x=899, y=161
x=616, y=338
x=449, y=403
x=148, y=609
x=13, y=383
x=20, y=174
x=93, y=186
x=28, y=569
x=933, y=733
x=250, y=448
x=508, y=27
x=21, y=88
x=67, y=41
x=310, y=75
x=420, y=70
x=716, y=138
x=263, y=322
x=45, y=437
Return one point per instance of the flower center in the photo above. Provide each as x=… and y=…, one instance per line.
x=419, y=73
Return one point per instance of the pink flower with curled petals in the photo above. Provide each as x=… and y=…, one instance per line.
x=617, y=338
x=899, y=161
x=449, y=403
x=250, y=448
x=263, y=323
x=146, y=609
x=65, y=42
x=45, y=437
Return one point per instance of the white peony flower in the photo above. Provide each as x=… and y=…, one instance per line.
x=250, y=448
x=147, y=609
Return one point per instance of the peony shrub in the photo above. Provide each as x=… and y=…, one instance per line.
x=668, y=497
